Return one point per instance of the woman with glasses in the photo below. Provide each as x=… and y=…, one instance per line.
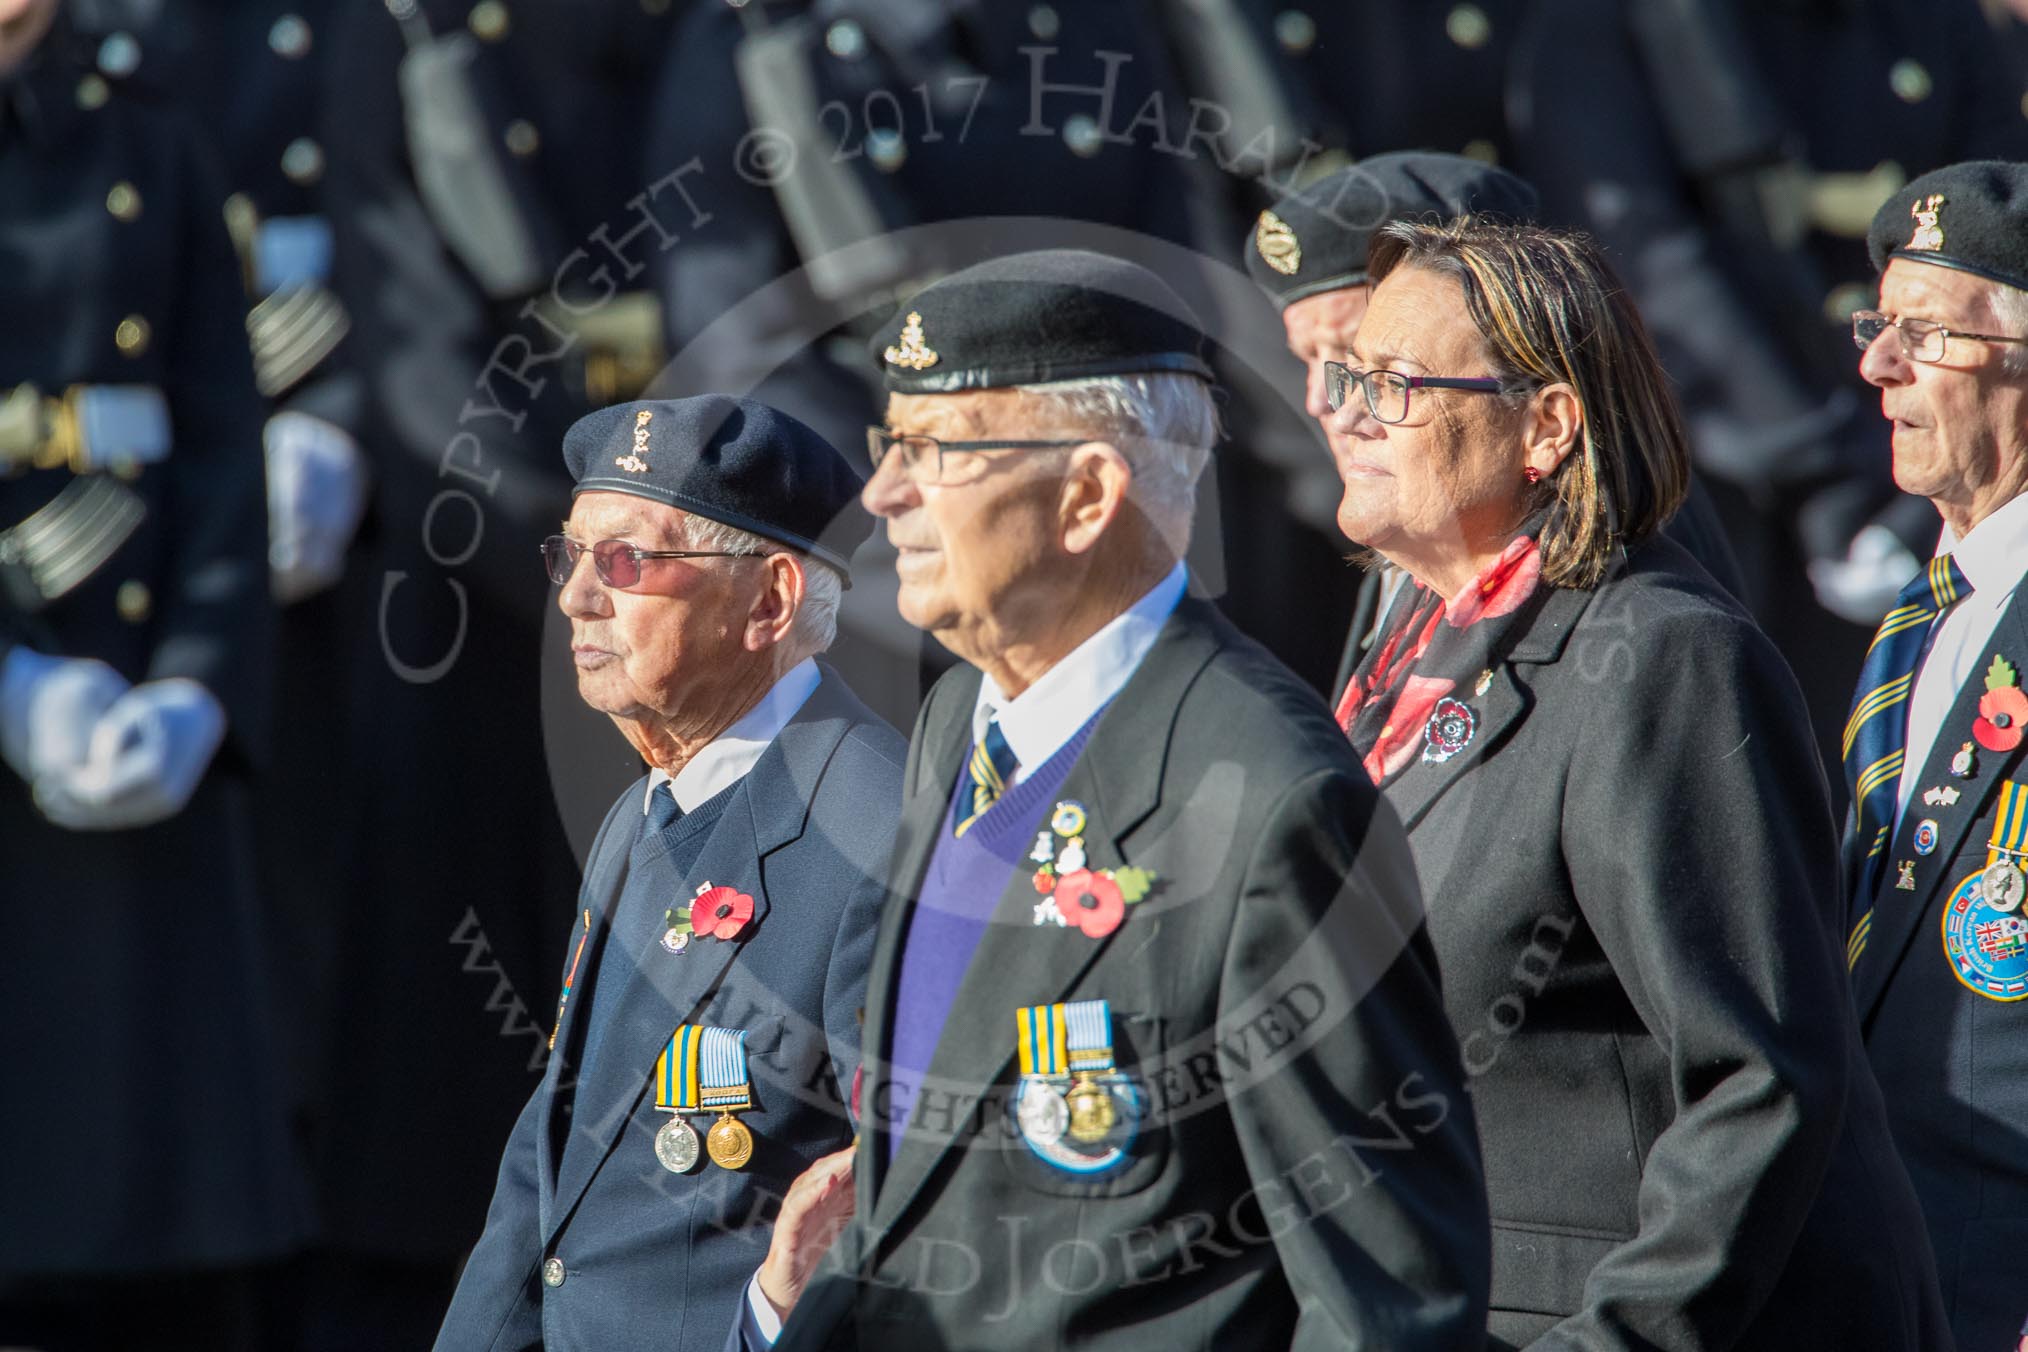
x=1623, y=832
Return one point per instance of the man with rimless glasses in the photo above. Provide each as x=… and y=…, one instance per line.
x=715, y=961
x=1936, y=847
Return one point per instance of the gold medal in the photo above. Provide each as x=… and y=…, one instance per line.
x=730, y=1143
x=1091, y=1111
x=676, y=1146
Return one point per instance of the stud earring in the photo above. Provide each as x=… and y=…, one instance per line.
x=1532, y=475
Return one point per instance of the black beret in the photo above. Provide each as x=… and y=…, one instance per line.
x=731, y=460
x=1315, y=239
x=1030, y=318
x=1971, y=216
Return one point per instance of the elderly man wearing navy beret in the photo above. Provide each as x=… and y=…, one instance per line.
x=1155, y=1052
x=1936, y=748
x=715, y=962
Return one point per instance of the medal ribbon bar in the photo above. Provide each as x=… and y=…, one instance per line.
x=2010, y=827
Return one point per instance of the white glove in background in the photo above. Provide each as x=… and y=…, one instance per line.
x=145, y=757
x=48, y=708
x=316, y=496
x=1861, y=587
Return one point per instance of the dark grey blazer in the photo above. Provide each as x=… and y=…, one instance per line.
x=1631, y=876
x=1307, y=1175
x=1953, y=1064
x=650, y=1258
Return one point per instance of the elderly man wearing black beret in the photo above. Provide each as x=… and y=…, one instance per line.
x=715, y=961
x=1308, y=253
x=1935, y=751
x=1155, y=1053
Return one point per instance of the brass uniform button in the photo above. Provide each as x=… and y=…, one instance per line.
x=290, y=37
x=1468, y=26
x=124, y=201
x=1843, y=300
x=845, y=40
x=1910, y=81
x=1296, y=31
x=488, y=21
x=521, y=137
x=303, y=161
x=92, y=92
x=132, y=336
x=119, y=55
x=134, y=601
x=1083, y=135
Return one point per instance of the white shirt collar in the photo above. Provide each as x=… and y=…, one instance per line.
x=1993, y=555
x=1038, y=721
x=728, y=757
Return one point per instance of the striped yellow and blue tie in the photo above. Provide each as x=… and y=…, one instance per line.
x=1877, y=729
x=989, y=770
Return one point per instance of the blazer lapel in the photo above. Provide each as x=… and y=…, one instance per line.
x=942, y=740
x=1539, y=637
x=1017, y=963
x=606, y=879
x=1893, y=915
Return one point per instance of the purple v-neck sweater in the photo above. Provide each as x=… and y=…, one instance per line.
x=960, y=890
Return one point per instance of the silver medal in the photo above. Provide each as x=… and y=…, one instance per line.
x=2002, y=886
x=676, y=1146
x=1043, y=1113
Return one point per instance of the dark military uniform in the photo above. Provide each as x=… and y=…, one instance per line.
x=146, y=1136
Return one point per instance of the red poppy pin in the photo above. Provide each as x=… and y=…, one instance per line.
x=1073, y=895
x=715, y=913
x=2003, y=709
x=1449, y=730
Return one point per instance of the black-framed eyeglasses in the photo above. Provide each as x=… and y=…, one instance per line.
x=926, y=460
x=1921, y=339
x=1386, y=392
x=617, y=563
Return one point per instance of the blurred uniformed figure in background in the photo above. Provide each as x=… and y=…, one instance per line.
x=150, y=1189
x=466, y=148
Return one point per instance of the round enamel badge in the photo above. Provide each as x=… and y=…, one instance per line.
x=1987, y=947
x=1925, y=836
x=1449, y=730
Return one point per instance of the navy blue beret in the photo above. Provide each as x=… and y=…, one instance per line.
x=731, y=460
x=1315, y=239
x=1030, y=318
x=1971, y=216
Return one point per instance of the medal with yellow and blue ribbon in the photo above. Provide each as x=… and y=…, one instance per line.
x=703, y=1070
x=1985, y=934
x=1073, y=1108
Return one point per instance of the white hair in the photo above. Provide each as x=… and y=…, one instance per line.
x=815, y=627
x=1164, y=423
x=2010, y=307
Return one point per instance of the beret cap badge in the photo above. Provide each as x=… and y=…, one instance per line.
x=1929, y=235
x=1278, y=245
x=914, y=351
x=632, y=462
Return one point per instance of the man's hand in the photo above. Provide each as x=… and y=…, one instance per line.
x=316, y=496
x=48, y=708
x=147, y=753
x=819, y=1204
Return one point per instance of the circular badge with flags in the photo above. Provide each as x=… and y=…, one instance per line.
x=1987, y=947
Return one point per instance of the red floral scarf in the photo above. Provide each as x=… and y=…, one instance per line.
x=1427, y=646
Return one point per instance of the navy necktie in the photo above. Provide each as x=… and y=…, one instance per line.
x=990, y=769
x=1876, y=733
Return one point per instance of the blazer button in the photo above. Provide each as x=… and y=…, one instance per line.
x=552, y=1272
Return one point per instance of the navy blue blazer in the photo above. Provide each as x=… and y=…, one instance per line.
x=611, y=1249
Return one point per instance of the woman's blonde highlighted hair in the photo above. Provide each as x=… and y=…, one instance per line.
x=1551, y=311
